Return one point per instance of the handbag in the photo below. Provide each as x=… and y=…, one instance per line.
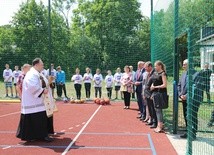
x=123, y=88
x=161, y=100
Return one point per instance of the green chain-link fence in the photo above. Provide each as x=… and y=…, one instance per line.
x=184, y=29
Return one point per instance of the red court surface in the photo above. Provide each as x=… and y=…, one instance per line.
x=86, y=129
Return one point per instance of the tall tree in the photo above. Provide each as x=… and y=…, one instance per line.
x=114, y=24
x=30, y=29
x=64, y=7
x=8, y=50
x=30, y=25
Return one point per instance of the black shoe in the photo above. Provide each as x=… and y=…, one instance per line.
x=154, y=125
x=210, y=124
x=140, y=116
x=183, y=136
x=149, y=123
x=48, y=139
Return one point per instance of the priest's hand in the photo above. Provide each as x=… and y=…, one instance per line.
x=45, y=91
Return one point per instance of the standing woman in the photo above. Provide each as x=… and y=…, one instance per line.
x=159, y=85
x=87, y=78
x=77, y=78
x=126, y=86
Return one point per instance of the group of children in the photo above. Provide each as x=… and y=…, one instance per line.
x=10, y=78
x=88, y=78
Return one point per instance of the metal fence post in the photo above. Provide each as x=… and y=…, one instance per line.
x=175, y=69
x=189, y=90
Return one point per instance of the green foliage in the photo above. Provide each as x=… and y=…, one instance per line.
x=103, y=34
x=115, y=28
x=7, y=47
x=30, y=26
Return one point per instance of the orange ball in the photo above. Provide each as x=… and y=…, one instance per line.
x=97, y=101
x=107, y=101
x=82, y=101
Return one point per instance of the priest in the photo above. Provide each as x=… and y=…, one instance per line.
x=33, y=122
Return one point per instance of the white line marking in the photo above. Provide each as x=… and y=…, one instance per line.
x=70, y=128
x=10, y=114
x=80, y=132
x=77, y=125
x=7, y=147
x=62, y=131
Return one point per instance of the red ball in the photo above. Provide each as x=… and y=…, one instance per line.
x=102, y=102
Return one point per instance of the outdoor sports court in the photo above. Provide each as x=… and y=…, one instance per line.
x=87, y=129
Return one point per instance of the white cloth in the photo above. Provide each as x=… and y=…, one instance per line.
x=7, y=75
x=109, y=79
x=87, y=78
x=98, y=78
x=117, y=77
x=32, y=88
x=16, y=75
x=48, y=99
x=53, y=73
x=77, y=78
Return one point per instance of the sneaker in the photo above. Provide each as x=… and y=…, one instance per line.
x=6, y=95
x=183, y=136
x=210, y=124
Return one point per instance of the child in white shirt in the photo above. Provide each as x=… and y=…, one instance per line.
x=87, y=78
x=117, y=77
x=109, y=79
x=77, y=78
x=16, y=74
x=98, y=78
x=8, y=75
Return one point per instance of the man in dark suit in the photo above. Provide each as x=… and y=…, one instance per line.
x=147, y=94
x=138, y=80
x=206, y=73
x=182, y=92
x=210, y=124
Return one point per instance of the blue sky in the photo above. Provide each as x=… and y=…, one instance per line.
x=9, y=7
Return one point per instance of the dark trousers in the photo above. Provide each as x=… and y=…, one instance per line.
x=50, y=125
x=207, y=90
x=98, y=89
x=133, y=93
x=185, y=111
x=140, y=101
x=152, y=111
x=61, y=87
x=78, y=90
x=195, y=108
x=197, y=99
x=127, y=97
x=88, y=90
x=109, y=92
